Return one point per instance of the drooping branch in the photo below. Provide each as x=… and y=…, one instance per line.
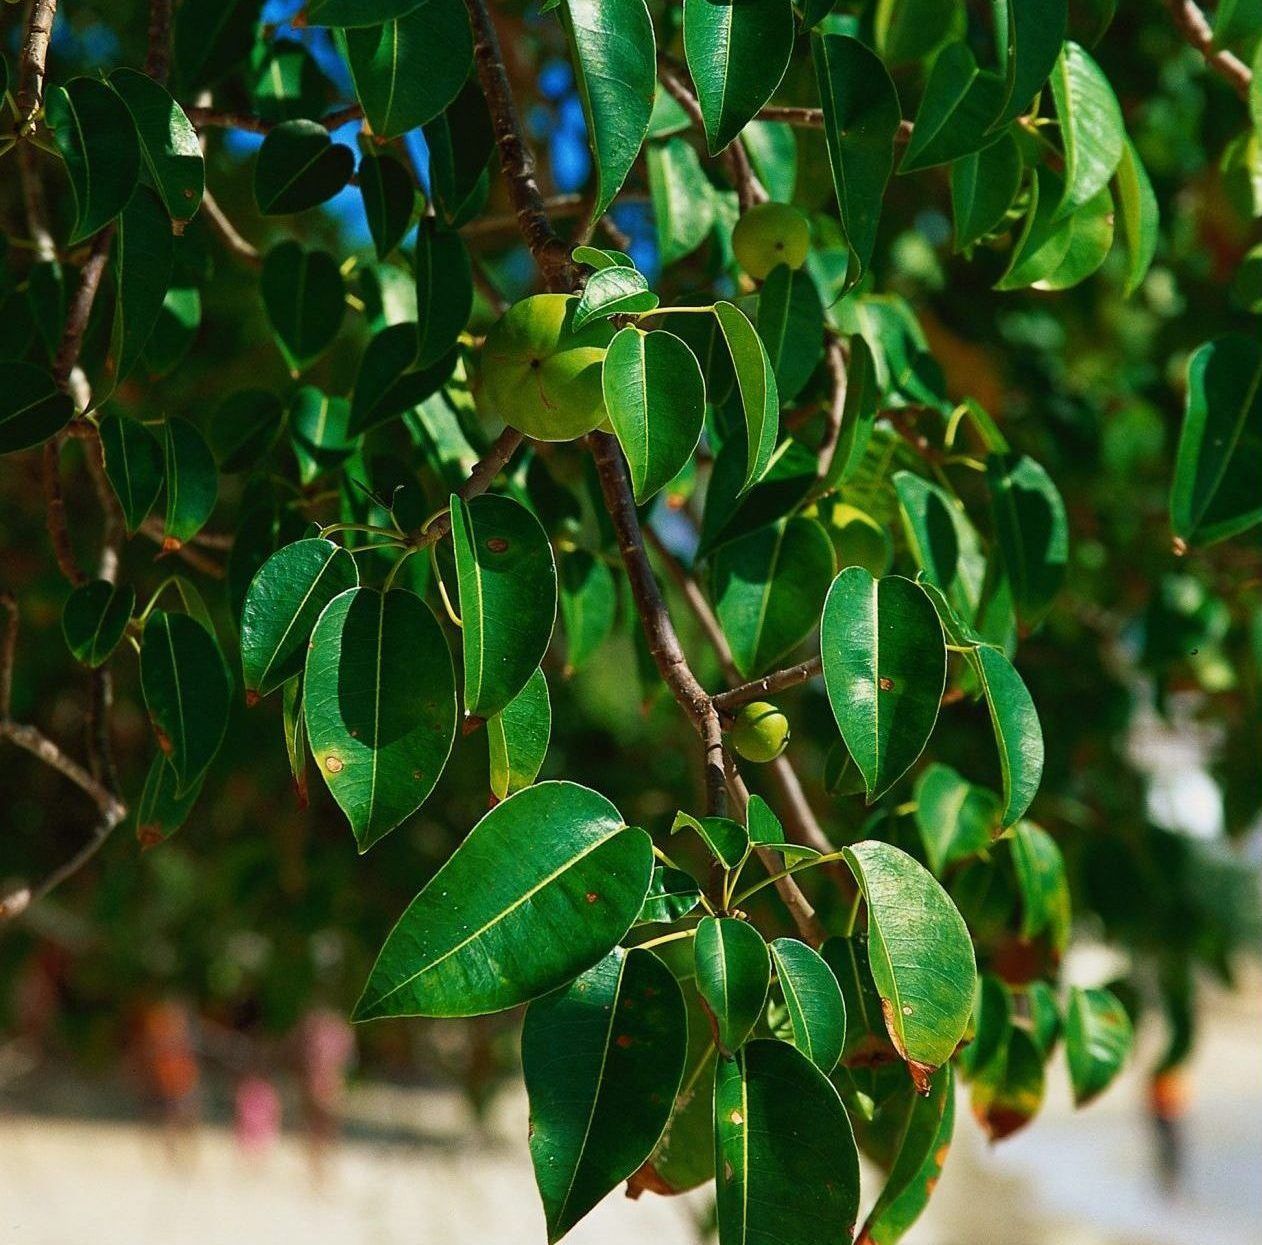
x=1194, y=28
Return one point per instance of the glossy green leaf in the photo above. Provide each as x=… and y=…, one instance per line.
x=32, y=408
x=305, y=299
x=1009, y=1092
x=1036, y=29
x=212, y=37
x=613, y=291
x=1089, y=230
x=407, y=70
x=133, y=463
x=655, y=396
x=1044, y=886
x=769, y=588
x=727, y=840
x=760, y=401
x=733, y=976
x=817, y=1010
x=244, y=427
x=160, y=812
x=176, y=327
x=444, y=291
x=97, y=139
x=478, y=940
x=861, y=118
x=737, y=54
x=1044, y=1011
x=388, y=384
x=168, y=142
x=599, y=257
x=993, y=1009
x=319, y=427
x=94, y=618
x=1092, y=131
x=683, y=199
x=187, y=692
x=1138, y=216
x=294, y=721
x=766, y=832
x=791, y=325
x=909, y=30
x=984, y=185
x=1097, y=1040
x=960, y=103
x=192, y=482
x=389, y=196
x=380, y=697
x=942, y=540
x=287, y=82
x=920, y=954
x=772, y=147
x=602, y=1059
x=285, y=597
x=1015, y=721
x=589, y=604
x=1215, y=493
x=143, y=251
x=884, y=664
x=517, y=738
x=1043, y=241
x=358, y=12
x=298, y=167
x=955, y=818
x=1032, y=530
x=788, y=1168
x=672, y=894
x=508, y=597
x=615, y=68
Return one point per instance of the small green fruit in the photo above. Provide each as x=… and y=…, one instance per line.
x=770, y=234
x=541, y=377
x=761, y=731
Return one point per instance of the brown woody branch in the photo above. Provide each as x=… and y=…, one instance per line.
x=33, y=66
x=204, y=117
x=768, y=685
x=1194, y=28
x=245, y=251
x=481, y=476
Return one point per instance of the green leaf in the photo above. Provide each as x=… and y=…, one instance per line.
x=177, y=326
x=672, y=894
x=615, y=68
x=920, y=955
x=760, y=401
x=1032, y=530
x=298, y=167
x=1092, y=131
x=884, y=670
x=1097, y=1041
x=133, y=462
x=94, y=619
x=737, y=54
x=285, y=597
x=769, y=588
x=602, y=1059
x=187, y=691
x=319, y=427
x=861, y=118
x=143, y=253
x=1138, y=216
x=787, y=1165
x=160, y=811
x=97, y=139
x=1044, y=240
x=733, y=976
x=358, y=12
x=168, y=142
x=766, y=832
x=858, y=415
x=1036, y=29
x=380, y=697
x=508, y=597
x=613, y=291
x=1016, y=725
x=192, y=482
x=444, y=291
x=791, y=325
x=866, y=1037
x=772, y=147
x=589, y=603
x=477, y=941
x=1044, y=887
x=286, y=82
x=245, y=426
x=305, y=300
x=409, y=69
x=1009, y=1093
x=1090, y=236
x=956, y=111
x=32, y=408
x=294, y=720
x=683, y=199
x=461, y=143
x=212, y=37
x=816, y=1009
x=597, y=257
x=955, y=819
x=1215, y=493
x=992, y=1022
x=517, y=738
x=655, y=396
x=388, y=385
x=389, y=196
x=943, y=541
x=727, y=840
x=910, y=30
x=984, y=185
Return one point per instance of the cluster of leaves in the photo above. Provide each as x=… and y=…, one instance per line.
x=785, y=427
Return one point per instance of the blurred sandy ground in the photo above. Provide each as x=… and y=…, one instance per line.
x=414, y=1171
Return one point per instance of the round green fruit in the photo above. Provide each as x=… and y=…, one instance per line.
x=770, y=234
x=761, y=731
x=541, y=377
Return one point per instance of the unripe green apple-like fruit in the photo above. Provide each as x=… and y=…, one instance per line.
x=761, y=731
x=541, y=377
x=770, y=234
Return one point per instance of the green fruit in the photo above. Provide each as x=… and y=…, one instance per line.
x=541, y=377
x=860, y=540
x=761, y=731
x=770, y=234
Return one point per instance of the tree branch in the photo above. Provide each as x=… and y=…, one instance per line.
x=33, y=66
x=1194, y=28
x=768, y=685
x=227, y=231
x=204, y=117
x=158, y=60
x=481, y=476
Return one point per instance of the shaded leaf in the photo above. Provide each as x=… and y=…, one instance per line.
x=817, y=1010
x=388, y=384
x=1097, y=1041
x=683, y=199
x=298, y=167
x=192, y=482
x=517, y=738
x=960, y=103
x=32, y=408
x=389, y=197
x=984, y=185
x=444, y=291
x=1137, y=215
x=672, y=894
x=358, y=12
x=160, y=812
x=589, y=602
x=95, y=617
x=733, y=976
x=305, y=299
x=943, y=541
x=613, y=291
x=727, y=840
x=955, y=819
x=211, y=38
x=143, y=252
x=756, y=382
x=133, y=463
x=168, y=142
x=1015, y=721
x=1036, y=29
x=1032, y=530
x=1044, y=887
x=791, y=325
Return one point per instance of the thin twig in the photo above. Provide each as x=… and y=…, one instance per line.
x=204, y=117
x=1193, y=26
x=835, y=354
x=158, y=59
x=481, y=476
x=768, y=685
x=33, y=67
x=227, y=231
